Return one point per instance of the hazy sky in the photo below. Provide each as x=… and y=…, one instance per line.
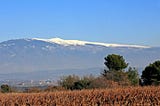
x=110, y=21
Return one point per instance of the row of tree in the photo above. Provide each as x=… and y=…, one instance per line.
x=115, y=71
x=115, y=74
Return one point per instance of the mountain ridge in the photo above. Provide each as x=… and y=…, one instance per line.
x=79, y=42
x=33, y=55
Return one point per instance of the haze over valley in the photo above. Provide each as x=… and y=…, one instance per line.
x=39, y=58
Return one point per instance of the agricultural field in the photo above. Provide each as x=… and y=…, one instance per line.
x=130, y=96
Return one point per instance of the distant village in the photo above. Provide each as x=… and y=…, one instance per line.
x=29, y=83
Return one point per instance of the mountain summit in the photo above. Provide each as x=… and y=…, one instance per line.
x=80, y=43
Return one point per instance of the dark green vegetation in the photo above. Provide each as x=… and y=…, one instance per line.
x=115, y=71
x=115, y=62
x=151, y=74
x=133, y=76
x=116, y=74
x=87, y=82
x=5, y=88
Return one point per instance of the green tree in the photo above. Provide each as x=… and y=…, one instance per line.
x=81, y=84
x=133, y=76
x=115, y=72
x=5, y=88
x=115, y=62
x=84, y=82
x=151, y=74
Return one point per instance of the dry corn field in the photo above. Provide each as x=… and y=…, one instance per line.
x=136, y=96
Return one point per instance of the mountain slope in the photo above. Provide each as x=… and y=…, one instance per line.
x=30, y=55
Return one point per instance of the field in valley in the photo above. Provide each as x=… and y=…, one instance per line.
x=146, y=96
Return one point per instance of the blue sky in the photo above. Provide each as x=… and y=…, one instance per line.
x=110, y=21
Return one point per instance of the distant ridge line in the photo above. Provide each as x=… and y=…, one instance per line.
x=82, y=43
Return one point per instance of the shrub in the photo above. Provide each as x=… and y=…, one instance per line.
x=5, y=88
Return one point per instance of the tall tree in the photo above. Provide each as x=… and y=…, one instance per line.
x=115, y=62
x=151, y=74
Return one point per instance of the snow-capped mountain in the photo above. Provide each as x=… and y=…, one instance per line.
x=82, y=43
x=36, y=55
